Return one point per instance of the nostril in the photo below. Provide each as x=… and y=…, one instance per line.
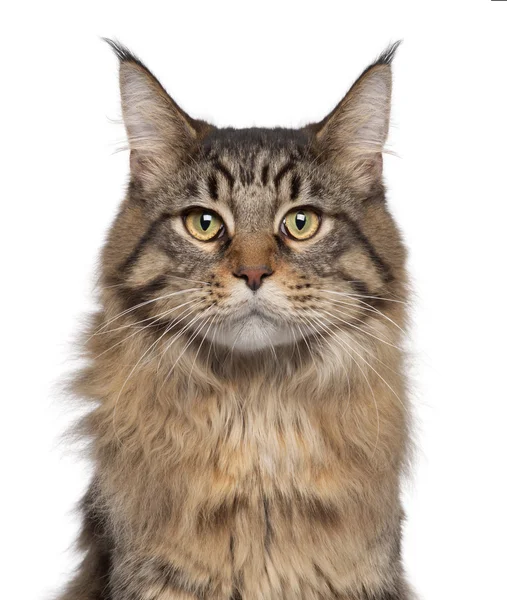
x=253, y=276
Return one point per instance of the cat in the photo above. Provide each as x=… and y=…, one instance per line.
x=249, y=424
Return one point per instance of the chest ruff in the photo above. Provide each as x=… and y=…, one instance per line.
x=261, y=493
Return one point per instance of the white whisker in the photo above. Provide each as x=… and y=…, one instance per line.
x=213, y=318
x=307, y=345
x=129, y=376
x=365, y=349
x=360, y=329
x=350, y=314
x=369, y=308
x=132, y=308
x=342, y=364
x=341, y=340
x=147, y=326
x=178, y=335
x=187, y=345
x=335, y=337
x=350, y=295
x=153, y=319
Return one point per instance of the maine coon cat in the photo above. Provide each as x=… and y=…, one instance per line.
x=249, y=423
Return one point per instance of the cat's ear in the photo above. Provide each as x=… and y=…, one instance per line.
x=355, y=132
x=160, y=134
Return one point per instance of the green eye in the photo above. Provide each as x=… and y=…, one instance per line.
x=203, y=225
x=300, y=224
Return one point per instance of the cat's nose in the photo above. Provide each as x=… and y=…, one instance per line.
x=253, y=275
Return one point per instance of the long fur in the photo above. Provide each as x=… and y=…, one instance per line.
x=237, y=471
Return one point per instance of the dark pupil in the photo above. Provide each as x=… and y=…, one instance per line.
x=206, y=221
x=300, y=220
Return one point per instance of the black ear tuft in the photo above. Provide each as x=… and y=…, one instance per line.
x=123, y=53
x=160, y=133
x=355, y=132
x=386, y=58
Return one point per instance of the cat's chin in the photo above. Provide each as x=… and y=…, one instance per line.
x=253, y=333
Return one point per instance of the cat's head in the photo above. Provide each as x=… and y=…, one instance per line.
x=254, y=238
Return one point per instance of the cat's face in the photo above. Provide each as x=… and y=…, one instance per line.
x=257, y=238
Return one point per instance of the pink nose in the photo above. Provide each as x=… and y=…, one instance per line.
x=253, y=275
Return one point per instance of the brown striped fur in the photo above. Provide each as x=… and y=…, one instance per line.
x=247, y=453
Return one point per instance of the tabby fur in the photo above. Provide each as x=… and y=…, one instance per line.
x=247, y=444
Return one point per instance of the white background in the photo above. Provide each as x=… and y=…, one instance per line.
x=262, y=63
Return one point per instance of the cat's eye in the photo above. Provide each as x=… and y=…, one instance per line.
x=204, y=225
x=300, y=224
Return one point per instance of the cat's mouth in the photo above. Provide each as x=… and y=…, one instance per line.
x=254, y=327
x=255, y=314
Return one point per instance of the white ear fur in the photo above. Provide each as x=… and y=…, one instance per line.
x=159, y=132
x=360, y=123
x=369, y=111
x=354, y=134
x=155, y=125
